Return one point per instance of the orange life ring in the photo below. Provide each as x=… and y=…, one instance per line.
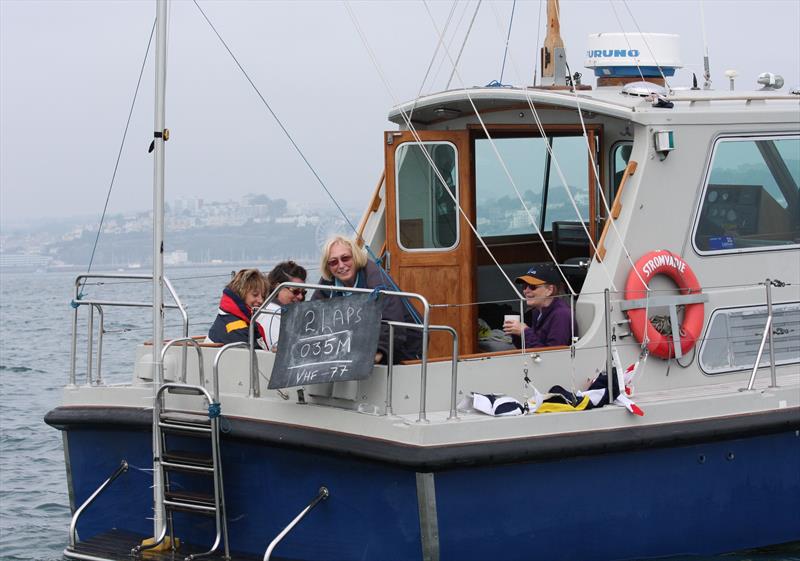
x=663, y=262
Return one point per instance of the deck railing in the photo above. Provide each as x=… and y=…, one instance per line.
x=423, y=380
x=255, y=390
x=98, y=305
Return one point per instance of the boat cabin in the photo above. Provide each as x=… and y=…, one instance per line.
x=568, y=155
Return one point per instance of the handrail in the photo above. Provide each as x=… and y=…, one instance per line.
x=100, y=331
x=610, y=378
x=321, y=496
x=217, y=358
x=73, y=525
x=90, y=344
x=754, y=96
x=423, y=388
x=196, y=345
x=255, y=390
x=77, y=302
x=767, y=336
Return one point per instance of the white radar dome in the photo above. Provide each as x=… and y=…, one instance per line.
x=633, y=54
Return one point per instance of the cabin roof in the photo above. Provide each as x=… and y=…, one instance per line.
x=690, y=106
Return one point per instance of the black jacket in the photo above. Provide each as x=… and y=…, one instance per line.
x=232, y=324
x=407, y=342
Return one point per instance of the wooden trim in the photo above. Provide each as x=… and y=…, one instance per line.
x=605, y=81
x=616, y=208
x=592, y=185
x=475, y=356
x=373, y=207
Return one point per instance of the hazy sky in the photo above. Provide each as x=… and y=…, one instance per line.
x=68, y=70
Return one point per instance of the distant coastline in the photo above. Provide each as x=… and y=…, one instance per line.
x=102, y=268
x=253, y=231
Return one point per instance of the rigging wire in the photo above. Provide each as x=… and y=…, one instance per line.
x=508, y=38
x=644, y=352
x=418, y=139
x=433, y=58
x=625, y=35
x=411, y=310
x=538, y=35
x=561, y=176
x=603, y=198
x=463, y=44
x=277, y=119
x=652, y=54
x=119, y=156
x=452, y=40
x=549, y=147
x=503, y=165
x=540, y=126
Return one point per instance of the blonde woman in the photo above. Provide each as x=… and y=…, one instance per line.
x=246, y=291
x=345, y=264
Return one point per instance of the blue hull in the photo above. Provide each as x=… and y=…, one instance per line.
x=703, y=499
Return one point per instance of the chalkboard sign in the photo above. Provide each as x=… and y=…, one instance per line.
x=327, y=341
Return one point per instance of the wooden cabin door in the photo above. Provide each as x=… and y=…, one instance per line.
x=431, y=246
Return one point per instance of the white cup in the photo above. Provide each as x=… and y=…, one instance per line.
x=510, y=317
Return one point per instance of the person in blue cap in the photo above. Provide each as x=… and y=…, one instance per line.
x=548, y=321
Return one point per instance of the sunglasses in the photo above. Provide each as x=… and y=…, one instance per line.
x=297, y=291
x=345, y=259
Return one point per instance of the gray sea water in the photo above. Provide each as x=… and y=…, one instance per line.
x=35, y=328
x=35, y=341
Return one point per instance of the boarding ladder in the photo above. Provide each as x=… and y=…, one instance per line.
x=187, y=454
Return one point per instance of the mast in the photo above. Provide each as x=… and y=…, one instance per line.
x=158, y=245
x=553, y=53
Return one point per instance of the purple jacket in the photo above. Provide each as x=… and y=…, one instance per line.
x=551, y=329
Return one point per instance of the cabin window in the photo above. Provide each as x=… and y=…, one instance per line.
x=751, y=200
x=427, y=217
x=733, y=336
x=536, y=177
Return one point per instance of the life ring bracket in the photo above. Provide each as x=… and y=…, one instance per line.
x=662, y=301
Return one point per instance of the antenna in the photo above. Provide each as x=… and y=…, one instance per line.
x=706, y=66
x=731, y=74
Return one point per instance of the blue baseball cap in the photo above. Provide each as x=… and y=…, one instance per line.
x=543, y=273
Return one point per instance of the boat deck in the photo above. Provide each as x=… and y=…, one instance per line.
x=116, y=545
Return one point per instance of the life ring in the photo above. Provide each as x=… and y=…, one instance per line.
x=663, y=262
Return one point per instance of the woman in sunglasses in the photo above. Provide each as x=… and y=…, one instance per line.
x=549, y=315
x=232, y=324
x=345, y=264
x=270, y=317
